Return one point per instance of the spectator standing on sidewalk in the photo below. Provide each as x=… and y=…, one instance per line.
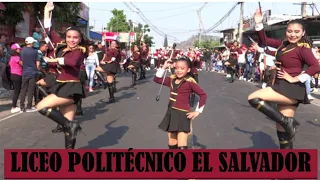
x=15, y=75
x=316, y=53
x=2, y=60
x=37, y=36
x=242, y=61
x=30, y=65
x=207, y=59
x=250, y=64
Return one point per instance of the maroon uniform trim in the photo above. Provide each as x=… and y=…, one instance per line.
x=181, y=100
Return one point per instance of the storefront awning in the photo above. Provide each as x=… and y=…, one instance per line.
x=95, y=35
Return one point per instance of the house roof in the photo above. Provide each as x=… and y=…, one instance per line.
x=229, y=29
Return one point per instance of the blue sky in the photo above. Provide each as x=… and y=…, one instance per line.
x=180, y=20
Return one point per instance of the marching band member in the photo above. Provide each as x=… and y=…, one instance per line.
x=134, y=65
x=233, y=60
x=111, y=66
x=288, y=90
x=177, y=120
x=195, y=60
x=67, y=90
x=144, y=52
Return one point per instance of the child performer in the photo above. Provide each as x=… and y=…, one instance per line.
x=177, y=120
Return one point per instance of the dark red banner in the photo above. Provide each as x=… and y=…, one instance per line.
x=156, y=164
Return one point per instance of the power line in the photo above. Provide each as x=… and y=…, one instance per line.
x=159, y=10
x=175, y=15
x=222, y=19
x=178, y=8
x=146, y=21
x=153, y=27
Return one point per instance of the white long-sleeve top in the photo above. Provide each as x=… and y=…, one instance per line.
x=92, y=59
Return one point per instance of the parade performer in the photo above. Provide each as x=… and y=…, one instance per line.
x=144, y=53
x=195, y=60
x=49, y=73
x=156, y=59
x=233, y=60
x=134, y=64
x=67, y=90
x=177, y=120
x=111, y=66
x=79, y=112
x=289, y=89
x=83, y=77
x=101, y=52
x=175, y=54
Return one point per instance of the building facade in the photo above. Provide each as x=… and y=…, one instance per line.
x=25, y=28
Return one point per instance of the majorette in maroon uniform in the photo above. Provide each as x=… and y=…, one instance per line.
x=111, y=66
x=289, y=88
x=68, y=89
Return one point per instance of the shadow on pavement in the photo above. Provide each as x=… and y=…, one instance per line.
x=93, y=110
x=125, y=95
x=193, y=143
x=259, y=139
x=109, y=138
x=313, y=123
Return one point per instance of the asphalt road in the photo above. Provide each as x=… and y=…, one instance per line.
x=228, y=121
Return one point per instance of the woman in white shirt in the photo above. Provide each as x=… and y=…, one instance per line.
x=91, y=62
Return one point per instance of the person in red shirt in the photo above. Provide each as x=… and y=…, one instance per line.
x=289, y=89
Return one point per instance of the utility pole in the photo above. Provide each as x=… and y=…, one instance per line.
x=240, y=30
x=312, y=9
x=200, y=21
x=304, y=8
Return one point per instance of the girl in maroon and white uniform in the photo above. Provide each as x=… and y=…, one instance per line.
x=111, y=66
x=67, y=90
x=289, y=89
x=134, y=64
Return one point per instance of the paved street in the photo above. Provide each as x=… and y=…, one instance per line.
x=228, y=121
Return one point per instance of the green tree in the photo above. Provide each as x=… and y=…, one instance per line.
x=64, y=12
x=12, y=15
x=209, y=43
x=142, y=30
x=148, y=39
x=118, y=23
x=165, y=43
x=196, y=43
